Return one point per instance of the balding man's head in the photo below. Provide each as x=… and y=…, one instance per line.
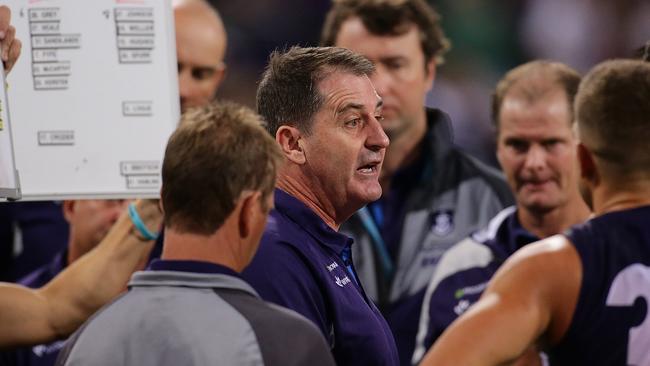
x=200, y=49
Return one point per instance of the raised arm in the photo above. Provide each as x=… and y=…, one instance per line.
x=36, y=316
x=9, y=44
x=530, y=299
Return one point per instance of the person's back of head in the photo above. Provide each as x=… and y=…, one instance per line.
x=612, y=111
x=389, y=18
x=217, y=153
x=288, y=92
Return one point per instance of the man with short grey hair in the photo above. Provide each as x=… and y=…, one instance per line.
x=324, y=113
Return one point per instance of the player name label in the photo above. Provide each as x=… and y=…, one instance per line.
x=56, y=137
x=139, y=167
x=143, y=182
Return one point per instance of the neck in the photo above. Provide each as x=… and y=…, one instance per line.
x=218, y=248
x=553, y=222
x=305, y=193
x=403, y=149
x=609, y=198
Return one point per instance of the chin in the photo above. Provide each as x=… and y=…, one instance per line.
x=365, y=195
x=373, y=194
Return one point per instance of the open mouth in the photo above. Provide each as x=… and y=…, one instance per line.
x=370, y=168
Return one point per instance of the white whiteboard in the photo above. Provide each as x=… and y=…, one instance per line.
x=93, y=97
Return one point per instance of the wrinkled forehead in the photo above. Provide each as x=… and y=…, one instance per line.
x=340, y=90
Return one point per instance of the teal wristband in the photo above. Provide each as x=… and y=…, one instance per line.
x=137, y=222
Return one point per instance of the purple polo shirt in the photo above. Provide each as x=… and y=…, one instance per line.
x=299, y=265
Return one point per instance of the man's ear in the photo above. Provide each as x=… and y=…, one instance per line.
x=587, y=163
x=249, y=204
x=68, y=208
x=290, y=140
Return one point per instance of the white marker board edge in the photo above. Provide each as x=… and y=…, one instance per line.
x=9, y=178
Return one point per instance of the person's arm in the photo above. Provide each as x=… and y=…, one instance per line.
x=531, y=299
x=9, y=45
x=30, y=316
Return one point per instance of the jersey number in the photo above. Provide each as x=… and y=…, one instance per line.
x=629, y=284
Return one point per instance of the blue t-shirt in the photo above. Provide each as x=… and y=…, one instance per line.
x=610, y=324
x=300, y=265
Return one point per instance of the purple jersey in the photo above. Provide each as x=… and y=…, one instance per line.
x=610, y=324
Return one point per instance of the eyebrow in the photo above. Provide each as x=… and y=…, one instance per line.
x=357, y=106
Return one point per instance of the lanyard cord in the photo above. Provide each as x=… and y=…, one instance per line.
x=377, y=241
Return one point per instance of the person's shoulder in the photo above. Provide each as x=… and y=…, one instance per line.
x=298, y=333
x=550, y=262
x=462, y=256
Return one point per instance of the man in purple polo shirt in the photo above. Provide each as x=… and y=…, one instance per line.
x=191, y=307
x=324, y=113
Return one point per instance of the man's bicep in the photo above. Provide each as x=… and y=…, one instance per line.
x=24, y=317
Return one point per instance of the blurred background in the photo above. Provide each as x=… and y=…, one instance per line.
x=488, y=38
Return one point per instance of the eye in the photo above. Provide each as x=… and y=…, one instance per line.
x=353, y=122
x=394, y=64
x=202, y=73
x=549, y=144
x=519, y=146
x=379, y=117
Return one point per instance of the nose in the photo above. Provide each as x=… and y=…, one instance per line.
x=535, y=158
x=377, y=138
x=381, y=80
x=185, y=84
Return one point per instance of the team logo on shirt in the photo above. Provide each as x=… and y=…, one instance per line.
x=342, y=281
x=330, y=267
x=442, y=222
x=461, y=307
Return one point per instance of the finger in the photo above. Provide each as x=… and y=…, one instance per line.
x=10, y=35
x=14, y=52
x=5, y=18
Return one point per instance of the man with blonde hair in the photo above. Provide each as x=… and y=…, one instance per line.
x=582, y=295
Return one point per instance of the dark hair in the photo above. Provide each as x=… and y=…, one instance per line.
x=532, y=80
x=217, y=152
x=390, y=17
x=613, y=113
x=288, y=93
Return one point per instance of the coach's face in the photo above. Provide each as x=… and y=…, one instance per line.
x=345, y=149
x=536, y=149
x=403, y=75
